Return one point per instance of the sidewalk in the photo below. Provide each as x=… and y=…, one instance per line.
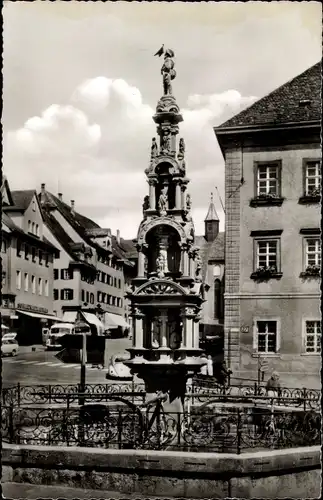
x=34, y=492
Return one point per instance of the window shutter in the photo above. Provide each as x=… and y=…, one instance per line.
x=254, y=336
x=278, y=336
x=62, y=274
x=62, y=294
x=71, y=294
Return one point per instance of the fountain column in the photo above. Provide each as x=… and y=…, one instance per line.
x=141, y=264
x=138, y=338
x=178, y=203
x=152, y=194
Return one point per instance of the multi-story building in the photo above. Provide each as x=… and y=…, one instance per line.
x=272, y=237
x=27, y=266
x=89, y=273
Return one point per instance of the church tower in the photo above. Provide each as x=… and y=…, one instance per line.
x=211, y=223
x=167, y=294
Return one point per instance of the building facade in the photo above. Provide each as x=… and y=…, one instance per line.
x=272, y=237
x=88, y=275
x=27, y=267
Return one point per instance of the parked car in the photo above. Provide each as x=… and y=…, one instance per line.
x=9, y=345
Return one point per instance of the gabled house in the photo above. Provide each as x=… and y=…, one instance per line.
x=272, y=153
x=27, y=266
x=89, y=274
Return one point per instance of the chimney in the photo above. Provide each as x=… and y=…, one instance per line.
x=60, y=196
x=42, y=193
x=118, y=237
x=72, y=206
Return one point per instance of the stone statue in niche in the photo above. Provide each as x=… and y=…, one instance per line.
x=162, y=202
x=188, y=202
x=165, y=147
x=161, y=264
x=155, y=327
x=154, y=148
x=181, y=149
x=198, y=265
x=175, y=336
x=146, y=203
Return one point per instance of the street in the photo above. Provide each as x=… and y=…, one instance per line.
x=42, y=367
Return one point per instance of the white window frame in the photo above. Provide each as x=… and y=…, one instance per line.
x=317, y=252
x=26, y=282
x=66, y=291
x=268, y=165
x=308, y=163
x=258, y=240
x=255, y=336
x=40, y=286
x=304, y=335
x=18, y=279
x=46, y=287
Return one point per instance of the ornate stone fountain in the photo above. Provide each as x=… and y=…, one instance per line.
x=167, y=294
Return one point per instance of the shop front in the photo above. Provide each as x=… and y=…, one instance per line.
x=29, y=322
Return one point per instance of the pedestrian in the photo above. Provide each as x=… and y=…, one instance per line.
x=273, y=388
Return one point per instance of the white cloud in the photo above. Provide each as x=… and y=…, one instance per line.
x=97, y=147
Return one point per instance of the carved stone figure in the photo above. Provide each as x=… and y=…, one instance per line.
x=198, y=265
x=188, y=202
x=167, y=83
x=166, y=142
x=175, y=337
x=162, y=202
x=161, y=265
x=146, y=203
x=154, y=148
x=168, y=71
x=181, y=149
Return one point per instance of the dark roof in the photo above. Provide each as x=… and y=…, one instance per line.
x=56, y=229
x=81, y=224
x=284, y=105
x=5, y=186
x=43, y=243
x=129, y=247
x=21, y=199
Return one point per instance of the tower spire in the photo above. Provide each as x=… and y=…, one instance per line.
x=211, y=222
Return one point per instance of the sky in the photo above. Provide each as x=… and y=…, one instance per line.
x=81, y=85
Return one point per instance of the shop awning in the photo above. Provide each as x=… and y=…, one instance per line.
x=113, y=320
x=69, y=316
x=38, y=315
x=93, y=320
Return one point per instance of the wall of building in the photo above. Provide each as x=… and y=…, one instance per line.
x=290, y=298
x=114, y=291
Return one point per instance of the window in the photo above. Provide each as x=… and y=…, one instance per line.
x=312, y=173
x=103, y=275
x=92, y=298
x=66, y=274
x=34, y=206
x=18, y=248
x=56, y=274
x=267, y=254
x=33, y=284
x=55, y=294
x=29, y=226
x=67, y=294
x=40, y=257
x=33, y=254
x=98, y=275
x=40, y=286
x=82, y=295
x=312, y=336
x=46, y=259
x=120, y=303
x=37, y=230
x=87, y=297
x=33, y=228
x=119, y=283
x=268, y=179
x=99, y=296
x=3, y=246
x=103, y=298
x=26, y=282
x=312, y=252
x=115, y=282
x=46, y=288
x=266, y=336
x=26, y=251
x=18, y=280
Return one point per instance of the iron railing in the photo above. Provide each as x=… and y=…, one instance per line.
x=21, y=395
x=123, y=425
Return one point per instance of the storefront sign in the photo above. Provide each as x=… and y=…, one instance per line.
x=27, y=307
